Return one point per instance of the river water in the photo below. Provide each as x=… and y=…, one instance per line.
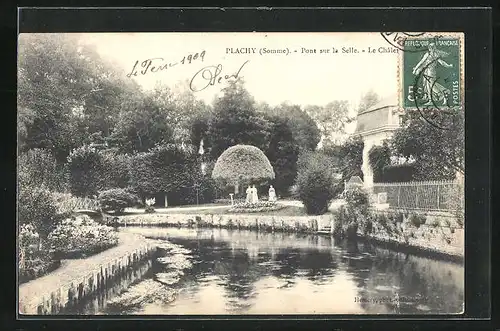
x=217, y=271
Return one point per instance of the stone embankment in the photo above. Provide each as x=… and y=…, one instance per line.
x=79, y=279
x=306, y=224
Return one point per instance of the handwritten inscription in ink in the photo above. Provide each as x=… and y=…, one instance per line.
x=157, y=64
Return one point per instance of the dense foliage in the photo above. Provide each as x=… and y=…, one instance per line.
x=379, y=158
x=316, y=185
x=37, y=208
x=32, y=261
x=86, y=166
x=38, y=167
x=283, y=153
x=347, y=157
x=435, y=140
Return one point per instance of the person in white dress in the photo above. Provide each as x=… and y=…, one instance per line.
x=249, y=194
x=272, y=194
x=255, y=197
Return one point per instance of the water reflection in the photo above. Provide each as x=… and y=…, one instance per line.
x=244, y=272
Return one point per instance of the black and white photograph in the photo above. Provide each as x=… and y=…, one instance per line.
x=245, y=173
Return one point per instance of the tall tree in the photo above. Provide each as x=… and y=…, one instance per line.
x=283, y=152
x=331, y=120
x=350, y=157
x=183, y=109
x=65, y=92
x=304, y=130
x=143, y=123
x=235, y=121
x=417, y=138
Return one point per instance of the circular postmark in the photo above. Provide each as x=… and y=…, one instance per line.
x=432, y=100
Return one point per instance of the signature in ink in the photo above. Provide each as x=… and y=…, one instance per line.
x=210, y=76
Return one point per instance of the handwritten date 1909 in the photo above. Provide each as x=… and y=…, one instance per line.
x=211, y=75
x=157, y=64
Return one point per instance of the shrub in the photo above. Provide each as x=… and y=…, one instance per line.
x=33, y=262
x=117, y=199
x=28, y=238
x=356, y=197
x=457, y=203
x=149, y=210
x=350, y=155
x=86, y=166
x=37, y=207
x=242, y=164
x=38, y=167
x=395, y=217
x=417, y=219
x=116, y=171
x=36, y=265
x=379, y=158
x=81, y=235
x=315, y=182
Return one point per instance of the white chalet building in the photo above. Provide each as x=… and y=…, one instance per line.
x=375, y=125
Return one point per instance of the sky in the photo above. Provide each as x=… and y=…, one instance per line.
x=297, y=77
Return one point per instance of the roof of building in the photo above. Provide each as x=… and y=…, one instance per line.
x=377, y=116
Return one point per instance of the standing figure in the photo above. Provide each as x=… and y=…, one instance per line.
x=255, y=197
x=427, y=67
x=249, y=194
x=272, y=194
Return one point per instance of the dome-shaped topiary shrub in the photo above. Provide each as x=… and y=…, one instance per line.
x=242, y=164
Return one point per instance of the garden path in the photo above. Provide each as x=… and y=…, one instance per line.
x=71, y=270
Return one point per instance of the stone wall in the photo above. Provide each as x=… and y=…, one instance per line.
x=234, y=221
x=440, y=233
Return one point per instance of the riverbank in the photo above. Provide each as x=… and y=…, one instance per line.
x=427, y=238
x=260, y=222
x=80, y=277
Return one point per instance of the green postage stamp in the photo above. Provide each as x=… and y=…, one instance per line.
x=432, y=71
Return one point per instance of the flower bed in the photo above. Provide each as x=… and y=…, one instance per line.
x=261, y=206
x=80, y=236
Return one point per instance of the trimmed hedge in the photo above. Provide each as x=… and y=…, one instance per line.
x=242, y=164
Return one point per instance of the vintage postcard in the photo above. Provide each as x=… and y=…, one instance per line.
x=241, y=173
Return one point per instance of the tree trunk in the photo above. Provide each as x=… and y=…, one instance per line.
x=236, y=189
x=166, y=201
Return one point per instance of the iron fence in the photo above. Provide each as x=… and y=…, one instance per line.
x=428, y=195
